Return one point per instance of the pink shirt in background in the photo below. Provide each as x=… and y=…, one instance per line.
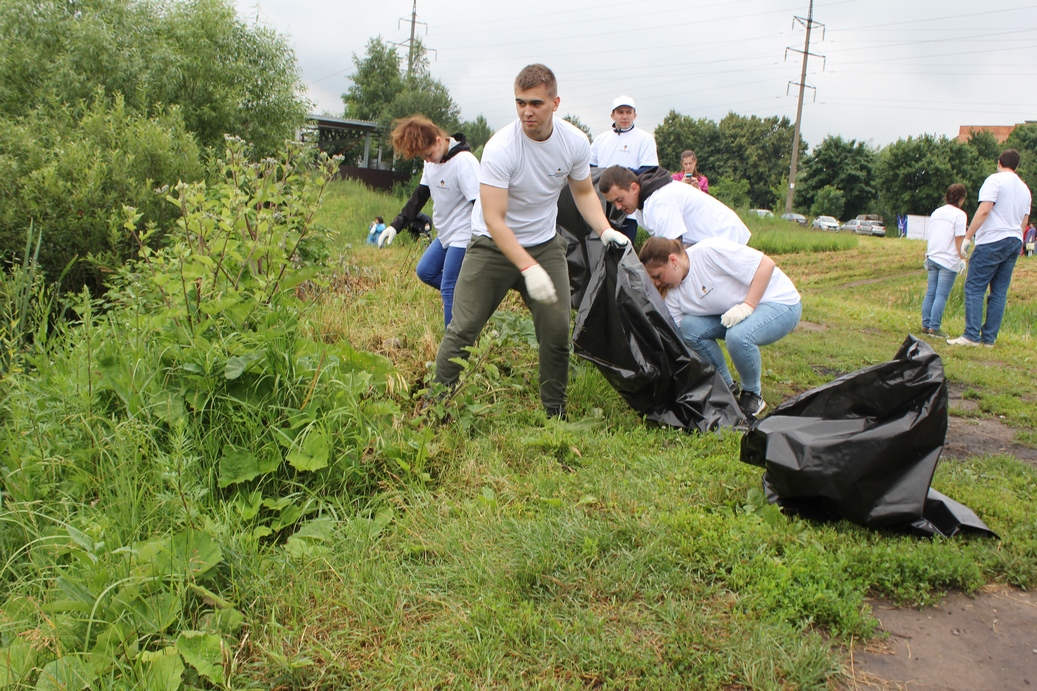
x=703, y=181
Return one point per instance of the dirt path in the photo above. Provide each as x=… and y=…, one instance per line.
x=982, y=643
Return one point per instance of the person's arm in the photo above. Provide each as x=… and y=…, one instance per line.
x=757, y=287
x=1026, y=224
x=761, y=279
x=981, y=216
x=494, y=211
x=589, y=206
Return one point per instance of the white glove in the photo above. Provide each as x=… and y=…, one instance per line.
x=387, y=236
x=965, y=244
x=539, y=285
x=614, y=238
x=736, y=314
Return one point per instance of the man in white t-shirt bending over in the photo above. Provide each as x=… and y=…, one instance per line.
x=670, y=209
x=998, y=226
x=625, y=145
x=515, y=244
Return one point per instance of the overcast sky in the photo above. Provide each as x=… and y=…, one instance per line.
x=891, y=68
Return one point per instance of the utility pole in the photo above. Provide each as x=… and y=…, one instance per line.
x=809, y=24
x=410, y=42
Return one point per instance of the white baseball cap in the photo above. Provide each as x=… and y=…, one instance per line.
x=623, y=101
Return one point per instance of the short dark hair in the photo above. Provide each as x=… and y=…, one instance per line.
x=955, y=194
x=616, y=176
x=379, y=219
x=533, y=76
x=1009, y=158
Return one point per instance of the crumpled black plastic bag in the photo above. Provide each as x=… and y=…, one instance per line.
x=864, y=447
x=624, y=328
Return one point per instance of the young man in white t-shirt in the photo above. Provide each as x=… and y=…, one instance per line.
x=671, y=209
x=515, y=244
x=625, y=145
x=998, y=226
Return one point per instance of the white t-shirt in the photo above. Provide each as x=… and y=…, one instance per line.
x=718, y=278
x=631, y=149
x=946, y=223
x=678, y=210
x=1011, y=199
x=533, y=173
x=453, y=186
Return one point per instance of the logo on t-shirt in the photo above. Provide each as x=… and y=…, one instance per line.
x=706, y=291
x=625, y=147
x=442, y=185
x=559, y=173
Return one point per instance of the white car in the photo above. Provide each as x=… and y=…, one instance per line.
x=825, y=223
x=762, y=213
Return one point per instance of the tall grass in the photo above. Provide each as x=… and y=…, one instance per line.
x=495, y=549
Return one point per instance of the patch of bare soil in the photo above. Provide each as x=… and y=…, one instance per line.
x=986, y=642
x=980, y=436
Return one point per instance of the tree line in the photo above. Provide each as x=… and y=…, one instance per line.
x=747, y=158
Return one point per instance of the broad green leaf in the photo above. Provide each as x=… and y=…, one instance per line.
x=192, y=551
x=310, y=451
x=241, y=465
x=69, y=673
x=16, y=660
x=296, y=277
x=204, y=652
x=162, y=671
x=226, y=621
x=235, y=367
x=208, y=597
x=317, y=529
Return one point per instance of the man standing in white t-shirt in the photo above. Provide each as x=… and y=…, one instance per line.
x=998, y=226
x=515, y=244
x=671, y=209
x=625, y=145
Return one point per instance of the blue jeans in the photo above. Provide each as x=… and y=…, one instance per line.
x=941, y=281
x=439, y=267
x=770, y=322
x=991, y=266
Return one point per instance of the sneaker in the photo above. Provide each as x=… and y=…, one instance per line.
x=751, y=404
x=988, y=345
x=937, y=333
x=926, y=330
x=736, y=390
x=961, y=340
x=556, y=413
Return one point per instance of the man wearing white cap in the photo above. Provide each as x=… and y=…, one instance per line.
x=625, y=145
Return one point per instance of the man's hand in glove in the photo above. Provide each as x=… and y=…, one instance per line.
x=387, y=236
x=614, y=238
x=736, y=314
x=539, y=285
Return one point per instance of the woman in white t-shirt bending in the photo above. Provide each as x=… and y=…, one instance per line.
x=719, y=289
x=451, y=179
x=943, y=257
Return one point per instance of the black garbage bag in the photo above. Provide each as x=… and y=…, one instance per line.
x=864, y=448
x=584, y=248
x=624, y=328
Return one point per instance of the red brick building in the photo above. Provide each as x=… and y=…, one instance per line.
x=1000, y=132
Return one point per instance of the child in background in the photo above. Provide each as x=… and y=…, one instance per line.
x=690, y=172
x=377, y=228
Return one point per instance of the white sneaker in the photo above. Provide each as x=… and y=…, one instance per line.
x=961, y=340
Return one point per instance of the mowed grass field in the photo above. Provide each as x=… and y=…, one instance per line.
x=604, y=553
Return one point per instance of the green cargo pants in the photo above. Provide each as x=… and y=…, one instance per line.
x=486, y=277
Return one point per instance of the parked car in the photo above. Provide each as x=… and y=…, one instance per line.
x=795, y=218
x=762, y=213
x=825, y=223
x=875, y=228
x=854, y=224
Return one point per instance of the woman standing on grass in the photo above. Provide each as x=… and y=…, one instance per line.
x=718, y=289
x=451, y=179
x=943, y=258
x=690, y=173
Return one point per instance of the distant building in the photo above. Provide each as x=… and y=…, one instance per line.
x=1000, y=132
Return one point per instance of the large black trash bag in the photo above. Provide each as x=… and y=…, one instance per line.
x=624, y=328
x=864, y=447
x=584, y=248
